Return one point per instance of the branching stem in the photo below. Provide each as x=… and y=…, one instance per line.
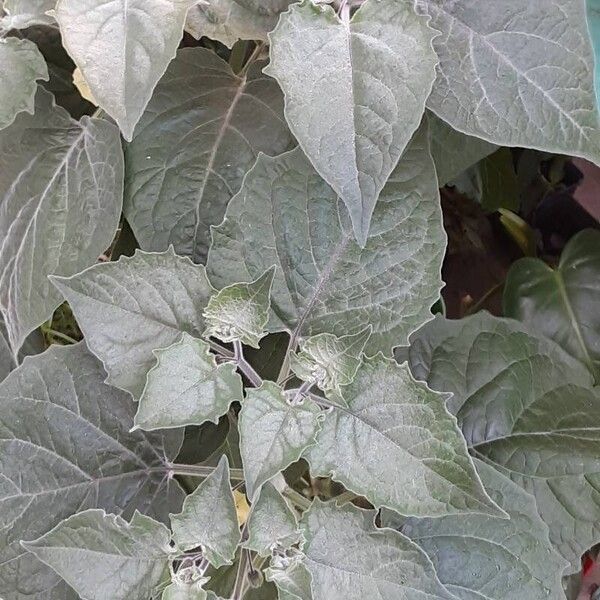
x=202, y=471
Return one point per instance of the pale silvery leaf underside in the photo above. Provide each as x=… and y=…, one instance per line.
x=453, y=152
x=26, y=13
x=516, y=73
x=396, y=444
x=60, y=203
x=208, y=518
x=293, y=583
x=271, y=522
x=128, y=308
x=202, y=130
x=562, y=303
x=324, y=282
x=65, y=446
x=187, y=387
x=286, y=429
x=230, y=20
x=21, y=66
x=350, y=559
x=526, y=407
x=181, y=591
x=103, y=557
x=122, y=49
x=240, y=312
x=354, y=92
x=493, y=558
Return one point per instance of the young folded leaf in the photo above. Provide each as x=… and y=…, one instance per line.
x=328, y=361
x=287, y=428
x=272, y=522
x=21, y=14
x=21, y=66
x=208, y=519
x=193, y=146
x=240, y=312
x=397, y=445
x=562, y=303
x=293, y=583
x=490, y=557
x=102, y=557
x=66, y=446
x=230, y=20
x=498, y=77
x=60, y=196
x=324, y=283
x=122, y=47
x=186, y=386
x=128, y=308
x=350, y=559
x=529, y=409
x=355, y=92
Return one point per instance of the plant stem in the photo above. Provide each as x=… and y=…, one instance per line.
x=491, y=292
x=255, y=53
x=61, y=336
x=202, y=471
x=244, y=366
x=220, y=349
x=284, y=372
x=300, y=501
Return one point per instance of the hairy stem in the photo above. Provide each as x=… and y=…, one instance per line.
x=244, y=366
x=202, y=471
x=300, y=501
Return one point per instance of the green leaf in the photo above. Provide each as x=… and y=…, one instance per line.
x=240, y=312
x=208, y=519
x=274, y=432
x=397, y=445
x=350, y=559
x=516, y=74
x=21, y=14
x=593, y=17
x=127, y=309
x=21, y=66
x=187, y=387
x=61, y=190
x=230, y=20
x=293, y=583
x=562, y=303
x=490, y=558
x=183, y=591
x=65, y=446
x=453, y=152
x=193, y=146
x=355, y=92
x=122, y=48
x=527, y=408
x=271, y=522
x=102, y=557
x=499, y=183
x=324, y=283
x=329, y=361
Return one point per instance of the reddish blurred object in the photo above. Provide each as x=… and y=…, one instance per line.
x=588, y=190
x=590, y=580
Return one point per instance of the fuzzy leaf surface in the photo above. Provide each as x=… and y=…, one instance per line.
x=397, y=445
x=286, y=430
x=519, y=73
x=21, y=66
x=240, y=311
x=60, y=203
x=208, y=518
x=230, y=20
x=128, y=308
x=271, y=522
x=527, y=408
x=103, y=557
x=350, y=559
x=491, y=558
x=562, y=303
x=324, y=282
x=376, y=70
x=21, y=14
x=122, y=47
x=187, y=387
x=203, y=129
x=65, y=446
